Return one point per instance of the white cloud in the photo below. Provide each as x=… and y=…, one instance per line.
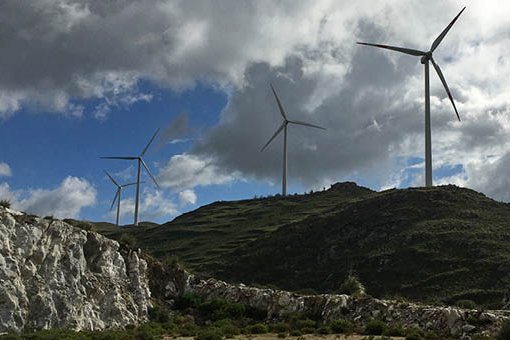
x=370, y=100
x=154, y=205
x=187, y=196
x=5, y=170
x=65, y=201
x=188, y=171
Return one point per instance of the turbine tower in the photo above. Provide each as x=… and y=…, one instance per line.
x=425, y=58
x=141, y=163
x=117, y=194
x=284, y=128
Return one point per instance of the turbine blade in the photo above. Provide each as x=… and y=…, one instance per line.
x=274, y=136
x=280, y=106
x=438, y=40
x=440, y=74
x=115, y=198
x=149, y=172
x=130, y=158
x=306, y=124
x=129, y=184
x=150, y=142
x=111, y=178
x=395, y=48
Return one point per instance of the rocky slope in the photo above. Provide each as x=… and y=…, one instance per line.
x=446, y=322
x=53, y=275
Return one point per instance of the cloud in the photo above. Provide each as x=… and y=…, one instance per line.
x=187, y=196
x=59, y=52
x=65, y=201
x=153, y=205
x=5, y=170
x=189, y=171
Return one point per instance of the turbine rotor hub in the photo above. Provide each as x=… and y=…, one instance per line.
x=426, y=57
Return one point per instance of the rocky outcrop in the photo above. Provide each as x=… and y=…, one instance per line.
x=53, y=275
x=445, y=321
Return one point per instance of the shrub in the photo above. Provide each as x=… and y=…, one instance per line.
x=158, y=314
x=128, y=240
x=221, y=309
x=210, y=334
x=504, y=332
x=187, y=301
x=324, y=330
x=5, y=204
x=305, y=324
x=257, y=328
x=395, y=331
x=375, y=327
x=282, y=335
x=341, y=326
x=466, y=304
x=279, y=327
x=295, y=332
x=352, y=286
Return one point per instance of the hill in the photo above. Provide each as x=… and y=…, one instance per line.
x=440, y=244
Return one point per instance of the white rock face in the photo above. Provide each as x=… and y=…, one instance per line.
x=53, y=275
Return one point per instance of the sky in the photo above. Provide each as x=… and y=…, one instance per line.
x=82, y=79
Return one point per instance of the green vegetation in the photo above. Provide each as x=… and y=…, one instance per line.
x=375, y=327
x=504, y=332
x=5, y=204
x=352, y=286
x=437, y=245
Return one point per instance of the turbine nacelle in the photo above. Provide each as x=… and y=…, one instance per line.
x=427, y=57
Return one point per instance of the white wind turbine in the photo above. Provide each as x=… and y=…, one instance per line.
x=284, y=128
x=118, y=193
x=425, y=58
x=140, y=163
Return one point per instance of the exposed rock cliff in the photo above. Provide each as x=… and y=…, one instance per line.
x=445, y=321
x=53, y=275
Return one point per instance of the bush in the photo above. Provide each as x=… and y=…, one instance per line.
x=279, y=328
x=504, y=332
x=128, y=240
x=221, y=309
x=466, y=304
x=375, y=327
x=228, y=327
x=158, y=314
x=5, y=204
x=186, y=301
x=210, y=334
x=305, y=325
x=352, y=286
x=341, y=327
x=257, y=328
x=324, y=330
x=395, y=331
x=295, y=332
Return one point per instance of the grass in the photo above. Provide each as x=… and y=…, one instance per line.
x=438, y=245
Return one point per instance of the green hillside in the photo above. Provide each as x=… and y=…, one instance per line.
x=440, y=244
x=201, y=237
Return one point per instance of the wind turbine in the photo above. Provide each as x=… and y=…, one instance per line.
x=284, y=128
x=140, y=163
x=425, y=58
x=117, y=194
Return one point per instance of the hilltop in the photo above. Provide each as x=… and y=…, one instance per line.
x=440, y=244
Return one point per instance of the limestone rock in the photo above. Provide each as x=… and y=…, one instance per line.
x=444, y=321
x=53, y=275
